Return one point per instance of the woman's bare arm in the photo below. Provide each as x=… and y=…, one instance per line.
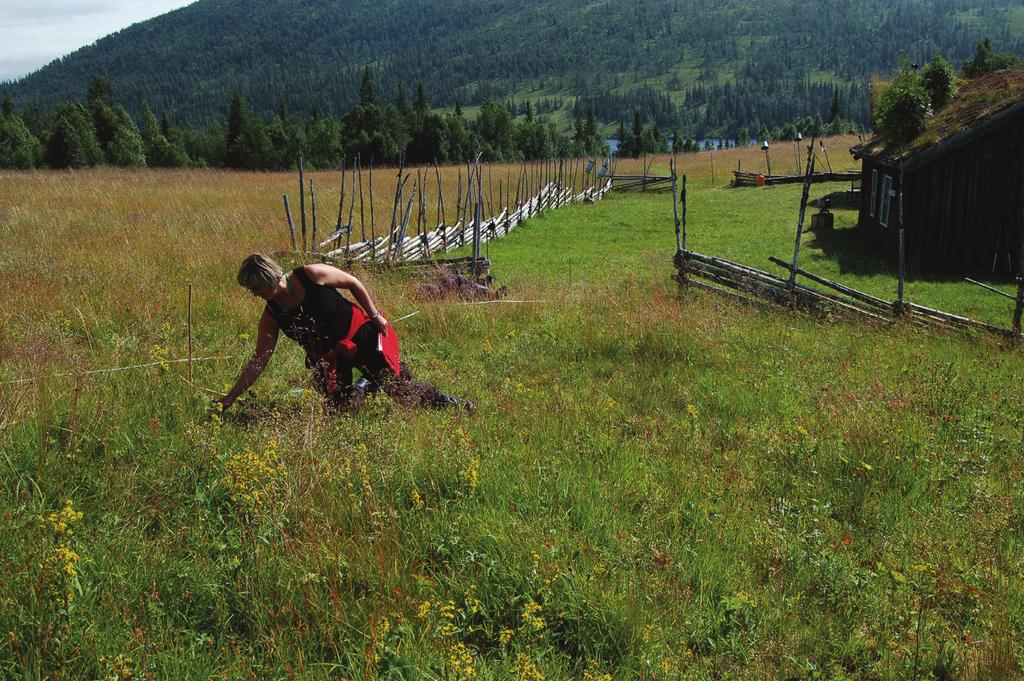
x=266, y=341
x=326, y=275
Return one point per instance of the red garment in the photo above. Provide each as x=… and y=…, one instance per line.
x=387, y=345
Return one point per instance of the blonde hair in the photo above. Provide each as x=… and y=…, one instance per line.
x=259, y=271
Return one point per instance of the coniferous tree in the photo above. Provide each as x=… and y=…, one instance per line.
x=366, y=130
x=247, y=144
x=72, y=142
x=160, y=151
x=594, y=143
x=494, y=127
x=421, y=107
x=321, y=141
x=19, y=148
x=986, y=61
x=835, y=111
x=431, y=141
x=637, y=136
x=115, y=130
x=288, y=139
x=461, y=141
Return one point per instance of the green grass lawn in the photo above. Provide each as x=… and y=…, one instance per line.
x=654, y=485
x=635, y=233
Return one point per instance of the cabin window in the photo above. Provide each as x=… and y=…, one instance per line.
x=883, y=207
x=874, y=192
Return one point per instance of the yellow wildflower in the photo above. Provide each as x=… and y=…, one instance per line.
x=416, y=500
x=460, y=661
x=253, y=477
x=526, y=670
x=473, y=604
x=60, y=565
x=471, y=474
x=531, y=616
x=161, y=357
x=506, y=636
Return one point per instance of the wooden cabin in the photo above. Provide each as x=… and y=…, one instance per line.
x=962, y=181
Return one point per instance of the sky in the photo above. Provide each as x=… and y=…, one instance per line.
x=35, y=32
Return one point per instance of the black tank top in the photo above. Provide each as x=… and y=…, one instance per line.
x=319, y=322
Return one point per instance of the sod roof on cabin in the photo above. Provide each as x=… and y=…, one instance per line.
x=976, y=105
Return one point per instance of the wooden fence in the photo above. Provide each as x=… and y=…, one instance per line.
x=742, y=282
x=408, y=238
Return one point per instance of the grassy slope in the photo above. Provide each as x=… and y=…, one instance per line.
x=681, y=485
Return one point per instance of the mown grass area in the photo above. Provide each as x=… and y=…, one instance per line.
x=653, y=485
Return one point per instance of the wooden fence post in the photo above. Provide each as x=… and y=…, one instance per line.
x=341, y=204
x=351, y=213
x=477, y=220
x=312, y=204
x=684, y=212
x=441, y=220
x=291, y=225
x=800, y=221
x=302, y=204
x=675, y=206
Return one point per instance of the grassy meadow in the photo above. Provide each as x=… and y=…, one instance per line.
x=654, y=485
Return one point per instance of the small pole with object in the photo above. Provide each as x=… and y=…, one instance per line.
x=190, y=334
x=796, y=150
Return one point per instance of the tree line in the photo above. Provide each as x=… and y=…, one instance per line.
x=100, y=131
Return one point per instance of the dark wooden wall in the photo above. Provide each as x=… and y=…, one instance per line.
x=962, y=210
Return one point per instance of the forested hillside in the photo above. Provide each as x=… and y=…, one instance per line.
x=705, y=67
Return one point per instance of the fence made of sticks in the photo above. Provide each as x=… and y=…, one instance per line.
x=423, y=219
x=794, y=288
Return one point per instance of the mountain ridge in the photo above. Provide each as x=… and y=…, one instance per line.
x=718, y=63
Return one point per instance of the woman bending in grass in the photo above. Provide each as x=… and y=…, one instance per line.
x=336, y=335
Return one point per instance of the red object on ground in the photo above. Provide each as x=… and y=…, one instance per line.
x=760, y=180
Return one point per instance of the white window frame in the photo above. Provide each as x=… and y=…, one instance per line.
x=874, y=191
x=884, y=207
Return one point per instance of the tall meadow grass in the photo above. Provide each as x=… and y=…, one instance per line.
x=654, y=485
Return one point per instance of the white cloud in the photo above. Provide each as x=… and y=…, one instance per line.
x=34, y=32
